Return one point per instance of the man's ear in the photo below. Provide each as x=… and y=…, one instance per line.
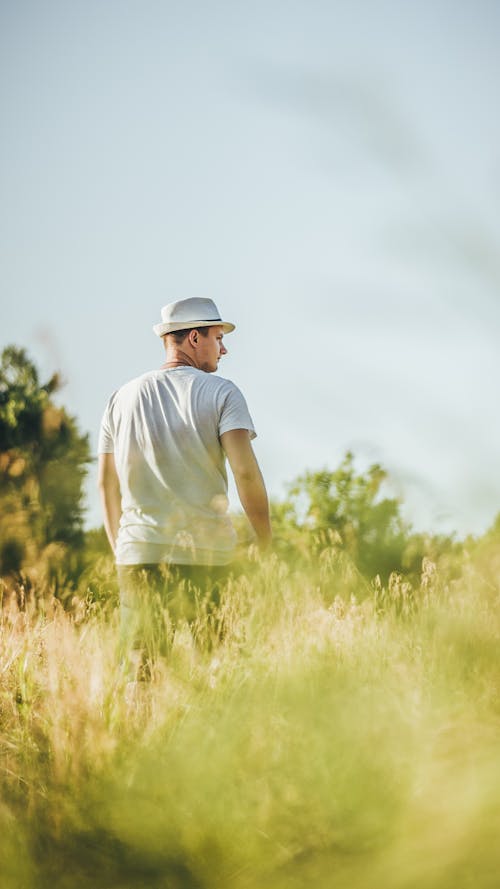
x=193, y=337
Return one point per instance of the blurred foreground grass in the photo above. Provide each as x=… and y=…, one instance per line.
x=342, y=734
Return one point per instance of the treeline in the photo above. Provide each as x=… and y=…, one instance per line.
x=43, y=464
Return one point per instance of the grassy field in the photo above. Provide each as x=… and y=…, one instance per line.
x=342, y=734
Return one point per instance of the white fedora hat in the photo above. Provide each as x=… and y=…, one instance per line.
x=187, y=313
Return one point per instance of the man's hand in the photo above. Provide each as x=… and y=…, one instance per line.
x=249, y=482
x=109, y=489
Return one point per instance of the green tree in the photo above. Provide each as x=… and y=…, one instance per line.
x=43, y=460
x=352, y=504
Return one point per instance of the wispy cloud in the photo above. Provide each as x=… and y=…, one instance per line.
x=356, y=110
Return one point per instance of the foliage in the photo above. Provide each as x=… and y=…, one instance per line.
x=352, y=505
x=43, y=459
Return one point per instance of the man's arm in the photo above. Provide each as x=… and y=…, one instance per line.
x=109, y=489
x=249, y=482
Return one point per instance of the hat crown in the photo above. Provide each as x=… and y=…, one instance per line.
x=196, y=308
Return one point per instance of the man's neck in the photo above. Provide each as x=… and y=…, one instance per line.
x=178, y=358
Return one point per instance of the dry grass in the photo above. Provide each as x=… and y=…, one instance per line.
x=339, y=735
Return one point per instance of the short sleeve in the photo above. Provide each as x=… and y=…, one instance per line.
x=105, y=444
x=235, y=413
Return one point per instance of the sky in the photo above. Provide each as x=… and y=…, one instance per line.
x=327, y=172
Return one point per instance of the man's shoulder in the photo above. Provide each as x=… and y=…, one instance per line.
x=221, y=382
x=219, y=387
x=126, y=390
x=140, y=381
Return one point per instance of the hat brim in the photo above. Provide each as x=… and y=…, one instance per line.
x=172, y=326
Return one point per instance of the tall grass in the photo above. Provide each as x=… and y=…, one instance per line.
x=339, y=734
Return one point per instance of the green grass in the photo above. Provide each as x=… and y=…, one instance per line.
x=340, y=735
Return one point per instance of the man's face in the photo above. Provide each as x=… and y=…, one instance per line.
x=210, y=349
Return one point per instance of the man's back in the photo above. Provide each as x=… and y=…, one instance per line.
x=164, y=430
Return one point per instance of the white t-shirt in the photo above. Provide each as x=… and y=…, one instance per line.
x=164, y=430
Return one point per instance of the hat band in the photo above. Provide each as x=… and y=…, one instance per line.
x=199, y=321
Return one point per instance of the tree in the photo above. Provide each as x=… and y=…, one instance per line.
x=352, y=504
x=43, y=459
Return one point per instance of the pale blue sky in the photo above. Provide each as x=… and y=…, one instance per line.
x=328, y=172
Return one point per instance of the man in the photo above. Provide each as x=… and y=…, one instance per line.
x=162, y=447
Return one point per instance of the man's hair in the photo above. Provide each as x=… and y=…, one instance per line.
x=179, y=336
